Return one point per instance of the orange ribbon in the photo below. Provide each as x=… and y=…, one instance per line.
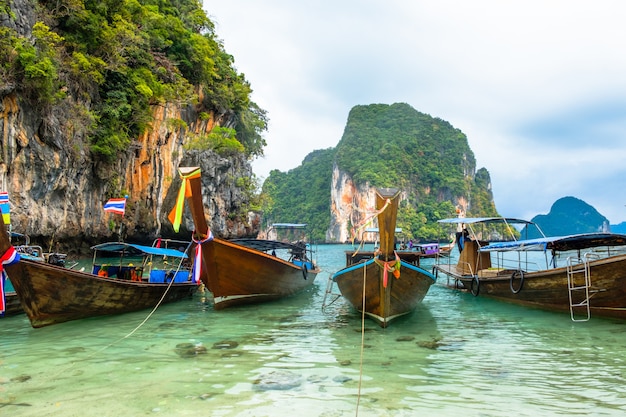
x=389, y=266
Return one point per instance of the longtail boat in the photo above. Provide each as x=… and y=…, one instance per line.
x=26, y=250
x=51, y=294
x=243, y=271
x=384, y=287
x=582, y=274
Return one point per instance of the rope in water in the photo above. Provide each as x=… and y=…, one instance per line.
x=144, y=321
x=365, y=223
x=358, y=397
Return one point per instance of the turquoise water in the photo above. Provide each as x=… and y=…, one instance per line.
x=456, y=355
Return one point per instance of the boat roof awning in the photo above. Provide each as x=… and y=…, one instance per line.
x=265, y=245
x=130, y=249
x=475, y=220
x=559, y=243
x=289, y=225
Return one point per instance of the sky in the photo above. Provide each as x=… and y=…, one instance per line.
x=537, y=86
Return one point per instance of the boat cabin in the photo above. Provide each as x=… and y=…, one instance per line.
x=140, y=263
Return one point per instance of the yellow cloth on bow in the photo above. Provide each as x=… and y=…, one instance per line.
x=176, y=215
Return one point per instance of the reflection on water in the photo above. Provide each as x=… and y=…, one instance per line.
x=456, y=355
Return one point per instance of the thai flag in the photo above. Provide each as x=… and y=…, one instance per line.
x=4, y=207
x=115, y=205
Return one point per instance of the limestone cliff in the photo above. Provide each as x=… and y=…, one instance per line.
x=57, y=192
x=57, y=185
x=351, y=205
x=352, y=208
x=427, y=158
x=395, y=146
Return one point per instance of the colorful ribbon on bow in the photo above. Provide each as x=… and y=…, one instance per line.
x=197, y=262
x=389, y=266
x=176, y=214
x=11, y=256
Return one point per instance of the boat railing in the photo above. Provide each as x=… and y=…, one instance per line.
x=569, y=257
x=33, y=252
x=605, y=252
x=522, y=263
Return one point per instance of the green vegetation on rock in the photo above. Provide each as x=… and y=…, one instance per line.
x=387, y=146
x=301, y=195
x=111, y=61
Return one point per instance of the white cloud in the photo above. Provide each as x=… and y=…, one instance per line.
x=537, y=87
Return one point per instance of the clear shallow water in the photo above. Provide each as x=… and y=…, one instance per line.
x=456, y=355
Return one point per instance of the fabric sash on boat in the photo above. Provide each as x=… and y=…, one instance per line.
x=11, y=256
x=389, y=266
x=176, y=214
x=197, y=262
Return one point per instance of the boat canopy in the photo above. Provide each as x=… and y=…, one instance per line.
x=559, y=243
x=131, y=249
x=475, y=220
x=265, y=245
x=289, y=225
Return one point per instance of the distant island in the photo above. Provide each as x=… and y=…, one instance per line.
x=619, y=228
x=570, y=215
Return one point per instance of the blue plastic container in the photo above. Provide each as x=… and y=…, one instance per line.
x=157, y=276
x=182, y=276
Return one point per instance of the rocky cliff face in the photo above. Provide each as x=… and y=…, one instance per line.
x=57, y=192
x=352, y=209
x=349, y=203
x=353, y=206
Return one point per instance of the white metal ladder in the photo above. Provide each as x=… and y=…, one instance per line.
x=578, y=290
x=329, y=292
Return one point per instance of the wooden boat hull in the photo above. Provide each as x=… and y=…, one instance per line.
x=366, y=285
x=239, y=275
x=412, y=257
x=50, y=294
x=548, y=289
x=383, y=303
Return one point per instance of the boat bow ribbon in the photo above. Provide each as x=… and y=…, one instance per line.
x=176, y=214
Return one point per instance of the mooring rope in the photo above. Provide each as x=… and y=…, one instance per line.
x=358, y=398
x=144, y=321
x=364, y=223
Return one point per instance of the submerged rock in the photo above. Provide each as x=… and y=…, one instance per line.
x=277, y=380
x=234, y=354
x=187, y=350
x=225, y=344
x=430, y=344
